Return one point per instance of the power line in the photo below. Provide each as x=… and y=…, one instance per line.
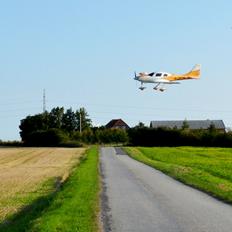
x=147, y=107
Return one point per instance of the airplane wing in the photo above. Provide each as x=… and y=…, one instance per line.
x=172, y=82
x=166, y=81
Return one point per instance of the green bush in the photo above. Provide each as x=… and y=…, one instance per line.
x=50, y=137
x=111, y=136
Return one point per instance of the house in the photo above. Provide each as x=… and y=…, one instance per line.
x=117, y=123
x=191, y=124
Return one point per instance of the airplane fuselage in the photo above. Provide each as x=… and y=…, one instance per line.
x=153, y=79
x=162, y=78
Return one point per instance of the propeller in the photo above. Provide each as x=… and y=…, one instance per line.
x=135, y=75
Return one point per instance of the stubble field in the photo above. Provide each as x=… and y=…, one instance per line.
x=28, y=173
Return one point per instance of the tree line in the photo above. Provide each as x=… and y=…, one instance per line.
x=61, y=127
x=179, y=137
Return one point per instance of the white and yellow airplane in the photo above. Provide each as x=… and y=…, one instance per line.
x=163, y=78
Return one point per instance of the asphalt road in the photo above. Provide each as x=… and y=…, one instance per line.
x=138, y=198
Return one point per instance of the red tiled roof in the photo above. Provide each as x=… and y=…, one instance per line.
x=116, y=123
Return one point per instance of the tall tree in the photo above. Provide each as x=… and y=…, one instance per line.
x=56, y=117
x=51, y=127
x=83, y=120
x=185, y=125
x=33, y=123
x=69, y=121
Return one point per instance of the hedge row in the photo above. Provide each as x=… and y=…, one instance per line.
x=175, y=137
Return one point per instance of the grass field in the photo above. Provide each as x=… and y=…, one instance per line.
x=208, y=169
x=76, y=206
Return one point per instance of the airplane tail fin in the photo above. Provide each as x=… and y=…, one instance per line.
x=195, y=72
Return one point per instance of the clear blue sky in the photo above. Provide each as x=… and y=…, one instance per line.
x=84, y=54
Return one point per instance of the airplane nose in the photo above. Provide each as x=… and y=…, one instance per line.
x=135, y=76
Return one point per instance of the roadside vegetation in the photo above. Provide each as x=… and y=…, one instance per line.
x=71, y=204
x=61, y=128
x=166, y=137
x=73, y=128
x=208, y=169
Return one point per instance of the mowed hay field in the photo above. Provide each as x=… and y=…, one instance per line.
x=208, y=169
x=28, y=173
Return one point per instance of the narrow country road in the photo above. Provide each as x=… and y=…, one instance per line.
x=138, y=198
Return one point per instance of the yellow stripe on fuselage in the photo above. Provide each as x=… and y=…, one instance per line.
x=190, y=75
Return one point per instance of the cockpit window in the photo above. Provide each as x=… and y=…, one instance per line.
x=165, y=74
x=158, y=74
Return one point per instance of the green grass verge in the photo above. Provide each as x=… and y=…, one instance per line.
x=208, y=169
x=73, y=208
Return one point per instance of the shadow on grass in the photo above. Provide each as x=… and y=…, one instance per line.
x=23, y=220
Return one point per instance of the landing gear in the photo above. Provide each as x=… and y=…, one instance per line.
x=156, y=87
x=142, y=87
x=161, y=89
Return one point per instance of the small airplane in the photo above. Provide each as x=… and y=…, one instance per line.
x=163, y=78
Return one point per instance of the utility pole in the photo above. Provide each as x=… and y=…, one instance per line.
x=44, y=101
x=80, y=123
